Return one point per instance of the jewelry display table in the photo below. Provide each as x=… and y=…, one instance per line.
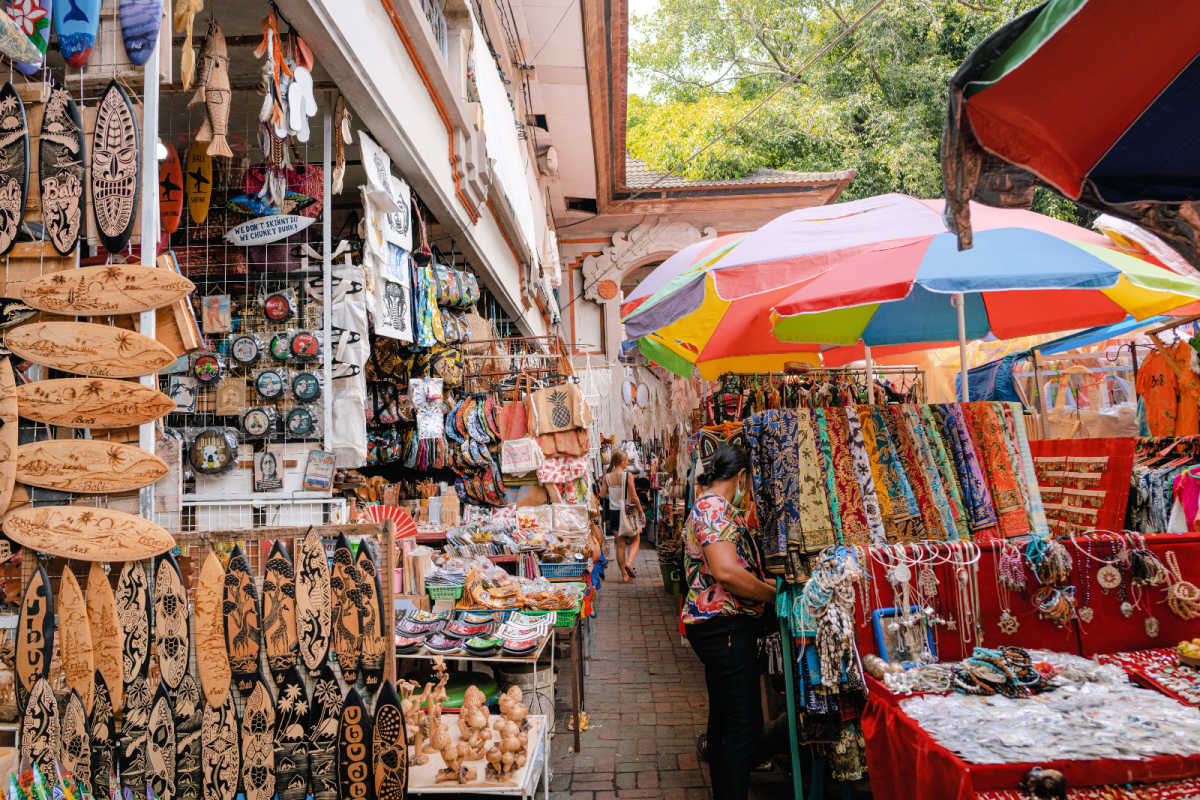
x=1159, y=669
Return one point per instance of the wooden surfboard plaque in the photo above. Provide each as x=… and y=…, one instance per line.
x=374, y=646
x=88, y=466
x=312, y=600
x=105, y=290
x=324, y=715
x=75, y=638
x=220, y=751
x=86, y=534
x=35, y=635
x=389, y=751
x=212, y=658
x=133, y=742
x=189, y=716
x=92, y=403
x=8, y=432
x=197, y=182
x=279, y=612
x=85, y=348
x=40, y=727
x=103, y=732
x=291, y=734
x=133, y=609
x=172, y=644
x=60, y=170
x=75, y=749
x=14, y=168
x=347, y=617
x=116, y=171
x=106, y=633
x=354, y=748
x=258, y=744
x=170, y=190
x=160, y=747
x=243, y=632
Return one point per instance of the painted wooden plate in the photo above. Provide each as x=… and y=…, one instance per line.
x=291, y=737
x=8, y=432
x=279, y=612
x=60, y=170
x=104, y=290
x=265, y=230
x=160, y=747
x=243, y=633
x=103, y=731
x=75, y=747
x=170, y=190
x=189, y=716
x=347, y=617
x=354, y=748
x=35, y=635
x=312, y=600
x=140, y=21
x=87, y=465
x=212, y=658
x=220, y=751
x=75, y=638
x=116, y=172
x=40, y=728
x=323, y=719
x=133, y=741
x=14, y=166
x=105, y=626
x=197, y=182
x=133, y=608
x=172, y=643
x=258, y=744
x=87, y=534
x=92, y=403
x=374, y=645
x=76, y=23
x=389, y=750
x=86, y=348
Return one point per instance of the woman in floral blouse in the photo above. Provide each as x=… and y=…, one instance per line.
x=726, y=595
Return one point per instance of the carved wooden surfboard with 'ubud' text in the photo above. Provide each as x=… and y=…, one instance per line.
x=279, y=612
x=35, y=635
x=86, y=348
x=212, y=657
x=105, y=290
x=92, y=403
x=90, y=466
x=86, y=534
x=243, y=630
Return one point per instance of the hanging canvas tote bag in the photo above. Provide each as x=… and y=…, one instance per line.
x=557, y=408
x=513, y=417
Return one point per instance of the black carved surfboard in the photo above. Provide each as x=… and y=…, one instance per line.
x=116, y=168
x=40, y=729
x=75, y=749
x=220, y=751
x=323, y=732
x=258, y=743
x=133, y=609
x=291, y=737
x=313, y=605
x=389, y=751
x=35, y=635
x=188, y=719
x=347, y=616
x=103, y=731
x=172, y=640
x=243, y=634
x=132, y=743
x=160, y=747
x=279, y=612
x=14, y=166
x=354, y=749
x=60, y=170
x=374, y=645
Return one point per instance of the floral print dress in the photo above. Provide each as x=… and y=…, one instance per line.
x=714, y=519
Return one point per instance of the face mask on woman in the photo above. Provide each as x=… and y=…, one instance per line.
x=739, y=496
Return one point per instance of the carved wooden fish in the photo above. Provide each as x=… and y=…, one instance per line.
x=216, y=96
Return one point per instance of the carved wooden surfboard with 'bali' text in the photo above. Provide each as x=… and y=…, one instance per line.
x=14, y=167
x=104, y=290
x=8, y=432
x=86, y=348
x=86, y=534
x=60, y=170
x=92, y=403
x=88, y=466
x=189, y=716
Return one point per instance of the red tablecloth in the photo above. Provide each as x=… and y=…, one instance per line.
x=1187, y=789
x=1160, y=670
x=905, y=763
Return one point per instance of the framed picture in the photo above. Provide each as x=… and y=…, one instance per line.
x=318, y=471
x=231, y=396
x=182, y=389
x=904, y=638
x=268, y=469
x=216, y=314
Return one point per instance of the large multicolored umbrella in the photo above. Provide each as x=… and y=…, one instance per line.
x=1095, y=99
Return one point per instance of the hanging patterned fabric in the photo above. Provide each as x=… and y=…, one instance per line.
x=945, y=468
x=864, y=475
x=850, y=502
x=911, y=419
x=1025, y=459
x=977, y=498
x=914, y=470
x=907, y=523
x=987, y=432
x=825, y=456
x=429, y=316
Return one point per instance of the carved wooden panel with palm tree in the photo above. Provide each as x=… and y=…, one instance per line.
x=104, y=290
x=87, y=534
x=279, y=612
x=87, y=465
x=86, y=348
x=92, y=402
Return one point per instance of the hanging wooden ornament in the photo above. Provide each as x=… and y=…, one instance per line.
x=85, y=348
x=105, y=290
x=116, y=168
x=347, y=616
x=354, y=749
x=90, y=466
x=160, y=747
x=140, y=22
x=198, y=182
x=258, y=744
x=313, y=604
x=243, y=631
x=40, y=728
x=133, y=741
x=103, y=733
x=133, y=609
x=75, y=638
x=8, y=432
x=389, y=749
x=92, y=403
x=374, y=645
x=172, y=643
x=170, y=190
x=189, y=717
x=75, y=749
x=220, y=751
x=75, y=25
x=326, y=710
x=86, y=534
x=60, y=170
x=14, y=164
x=212, y=657
x=279, y=612
x=35, y=635
x=291, y=737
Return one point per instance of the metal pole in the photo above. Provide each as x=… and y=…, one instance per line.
x=149, y=249
x=327, y=277
x=870, y=374
x=962, y=344
x=789, y=685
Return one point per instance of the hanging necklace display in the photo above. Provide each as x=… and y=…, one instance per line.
x=281, y=347
x=116, y=168
x=306, y=386
x=245, y=349
x=1183, y=598
x=60, y=170
x=1086, y=613
x=269, y=384
x=1008, y=624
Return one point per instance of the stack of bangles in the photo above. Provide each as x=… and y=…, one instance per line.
x=1008, y=671
x=1056, y=606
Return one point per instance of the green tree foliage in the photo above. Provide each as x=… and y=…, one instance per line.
x=874, y=103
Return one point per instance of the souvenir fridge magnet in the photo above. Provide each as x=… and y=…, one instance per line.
x=318, y=471
x=279, y=306
x=245, y=349
x=305, y=345
x=300, y=422
x=231, y=396
x=269, y=384
x=306, y=386
x=207, y=368
x=211, y=452
x=256, y=422
x=217, y=316
x=182, y=389
x=281, y=346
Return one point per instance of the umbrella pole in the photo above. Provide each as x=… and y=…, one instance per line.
x=870, y=374
x=962, y=344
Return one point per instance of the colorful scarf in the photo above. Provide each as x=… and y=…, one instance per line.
x=814, y=501
x=825, y=451
x=1037, y=510
x=850, y=501
x=910, y=421
x=987, y=433
x=906, y=523
x=977, y=499
x=945, y=468
x=865, y=477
